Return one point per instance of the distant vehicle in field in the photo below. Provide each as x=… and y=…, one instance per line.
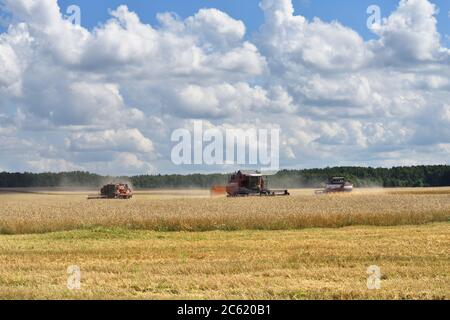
x=337, y=184
x=242, y=184
x=114, y=191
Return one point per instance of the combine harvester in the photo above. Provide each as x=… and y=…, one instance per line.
x=113, y=191
x=245, y=184
x=335, y=185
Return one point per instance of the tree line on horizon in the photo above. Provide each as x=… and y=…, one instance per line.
x=412, y=176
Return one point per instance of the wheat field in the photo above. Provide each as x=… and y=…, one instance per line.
x=196, y=211
x=178, y=244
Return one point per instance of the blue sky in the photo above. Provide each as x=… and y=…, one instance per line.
x=351, y=13
x=110, y=100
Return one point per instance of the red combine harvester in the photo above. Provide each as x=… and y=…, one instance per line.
x=114, y=191
x=244, y=184
x=336, y=184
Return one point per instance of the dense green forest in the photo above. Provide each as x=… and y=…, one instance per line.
x=415, y=176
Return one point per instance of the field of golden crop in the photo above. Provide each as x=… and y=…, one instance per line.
x=300, y=264
x=174, y=244
x=196, y=211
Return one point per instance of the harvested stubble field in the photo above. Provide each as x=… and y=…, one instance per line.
x=299, y=264
x=269, y=248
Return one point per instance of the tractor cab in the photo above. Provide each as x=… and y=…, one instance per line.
x=244, y=183
x=115, y=191
x=337, y=184
x=250, y=183
x=336, y=180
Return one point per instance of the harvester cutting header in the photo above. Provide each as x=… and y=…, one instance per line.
x=243, y=184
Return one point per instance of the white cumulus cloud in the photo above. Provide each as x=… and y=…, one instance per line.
x=107, y=99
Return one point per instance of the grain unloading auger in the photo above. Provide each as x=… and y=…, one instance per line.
x=244, y=184
x=113, y=191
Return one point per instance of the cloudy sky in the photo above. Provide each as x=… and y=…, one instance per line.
x=105, y=96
